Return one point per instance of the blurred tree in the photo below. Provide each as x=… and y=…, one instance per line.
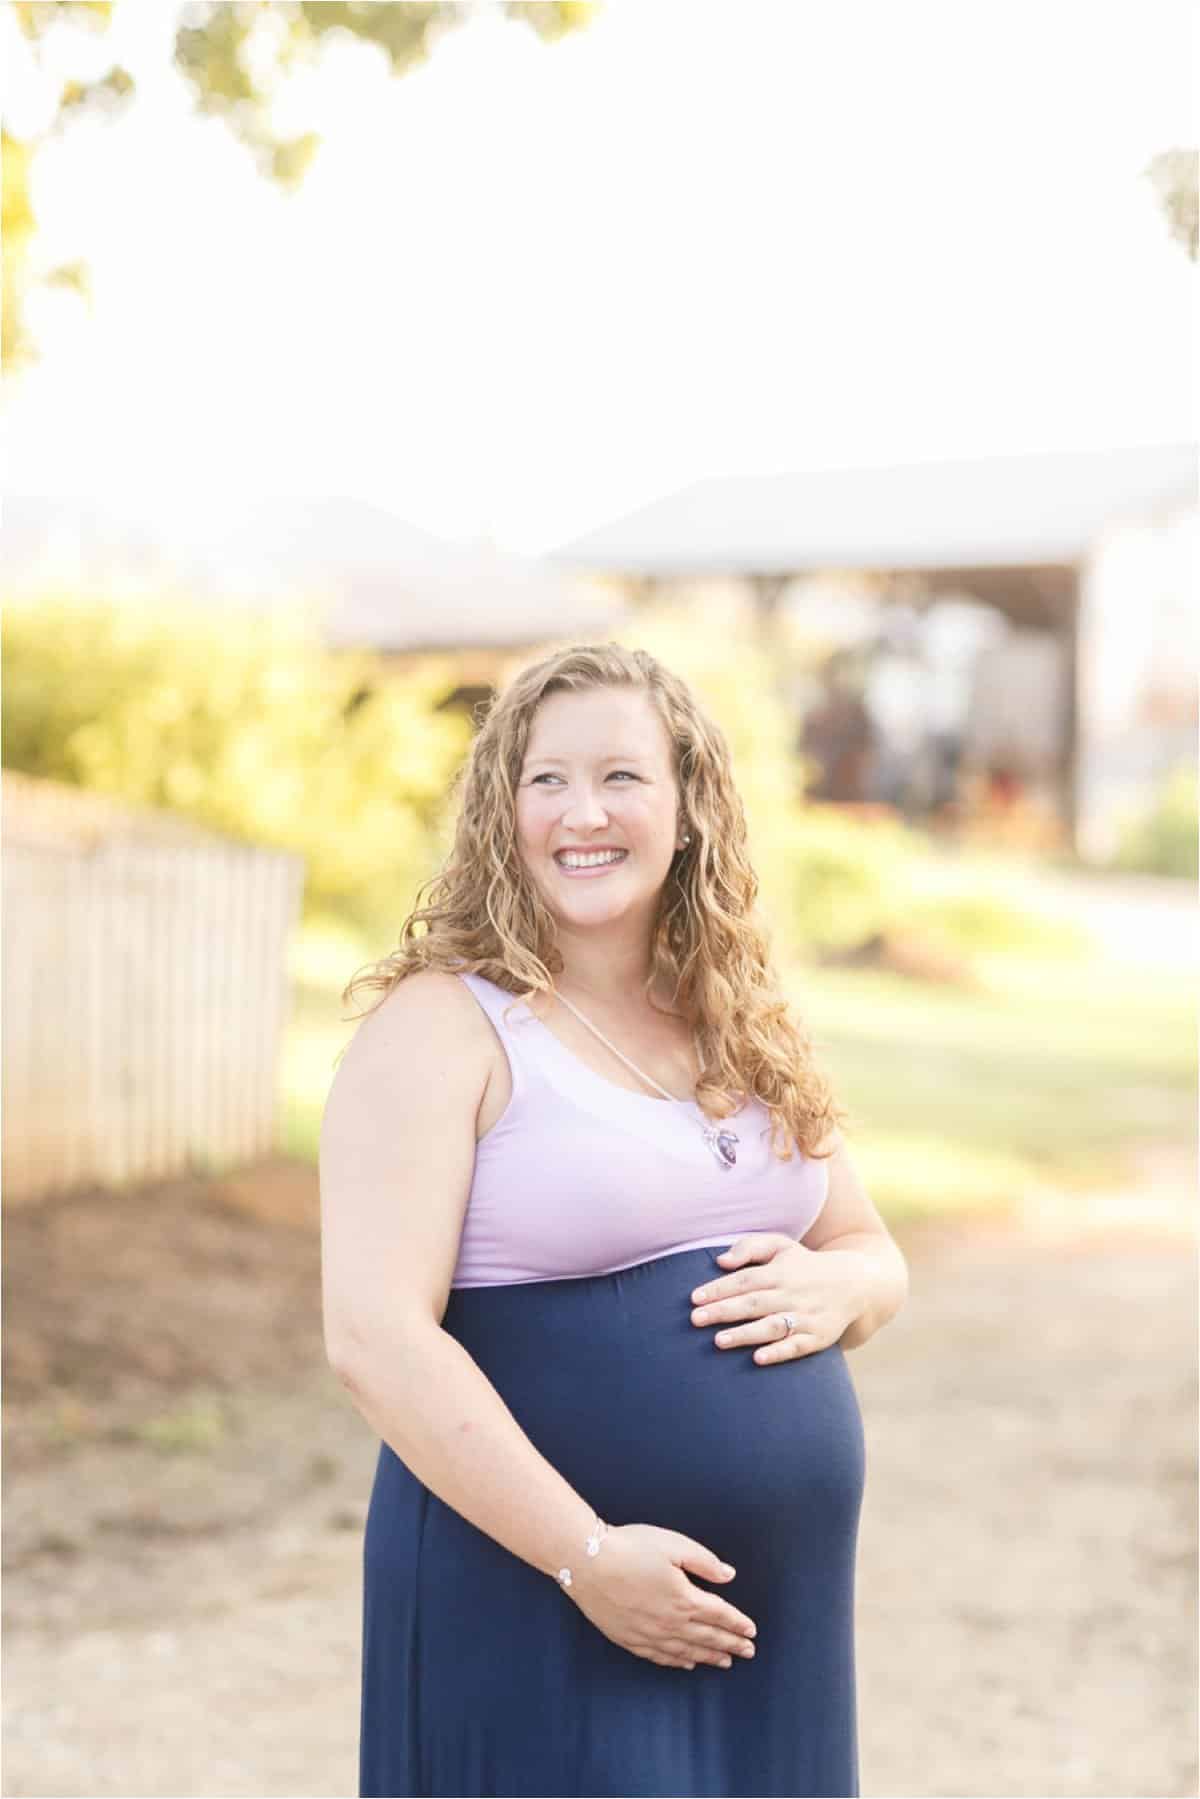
x=245, y=725
x=236, y=55
x=1175, y=174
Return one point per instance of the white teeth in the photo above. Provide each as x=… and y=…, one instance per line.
x=572, y=859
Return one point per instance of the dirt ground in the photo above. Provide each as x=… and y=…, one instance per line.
x=186, y=1486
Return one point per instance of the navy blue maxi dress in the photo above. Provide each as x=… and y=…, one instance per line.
x=480, y=1674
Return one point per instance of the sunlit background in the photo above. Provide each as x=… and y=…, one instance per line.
x=352, y=357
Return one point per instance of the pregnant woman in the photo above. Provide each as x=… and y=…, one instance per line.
x=592, y=1252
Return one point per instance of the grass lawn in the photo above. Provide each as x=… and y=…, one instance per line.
x=962, y=1101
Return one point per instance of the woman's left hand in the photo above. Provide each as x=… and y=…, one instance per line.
x=772, y=1274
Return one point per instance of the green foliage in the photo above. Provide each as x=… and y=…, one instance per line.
x=969, y=918
x=234, y=55
x=1163, y=840
x=17, y=229
x=36, y=20
x=246, y=725
x=850, y=877
x=854, y=878
x=36, y=17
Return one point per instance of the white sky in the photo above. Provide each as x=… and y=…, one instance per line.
x=528, y=287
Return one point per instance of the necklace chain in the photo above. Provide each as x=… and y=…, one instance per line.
x=632, y=1066
x=719, y=1139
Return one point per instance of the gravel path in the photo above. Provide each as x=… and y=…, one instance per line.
x=183, y=1582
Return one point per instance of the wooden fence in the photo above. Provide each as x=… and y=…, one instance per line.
x=145, y=992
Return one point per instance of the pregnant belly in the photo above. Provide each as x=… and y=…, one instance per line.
x=651, y=1423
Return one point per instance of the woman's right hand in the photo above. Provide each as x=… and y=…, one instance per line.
x=637, y=1592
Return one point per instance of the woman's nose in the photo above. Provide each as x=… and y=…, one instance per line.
x=585, y=810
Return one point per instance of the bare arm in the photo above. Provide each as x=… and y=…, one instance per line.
x=396, y=1160
x=849, y=1226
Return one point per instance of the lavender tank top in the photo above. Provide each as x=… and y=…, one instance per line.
x=579, y=1176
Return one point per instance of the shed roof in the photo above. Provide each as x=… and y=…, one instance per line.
x=473, y=596
x=996, y=511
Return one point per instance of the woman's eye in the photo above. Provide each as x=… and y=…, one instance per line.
x=627, y=772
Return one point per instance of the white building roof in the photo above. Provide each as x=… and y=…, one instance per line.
x=998, y=511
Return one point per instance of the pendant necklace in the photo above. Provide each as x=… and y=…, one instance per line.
x=719, y=1140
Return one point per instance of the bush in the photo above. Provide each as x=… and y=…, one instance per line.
x=850, y=878
x=862, y=877
x=246, y=724
x=961, y=915
x=1163, y=839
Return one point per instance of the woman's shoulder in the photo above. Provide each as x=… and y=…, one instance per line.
x=431, y=1011
x=430, y=990
x=421, y=1052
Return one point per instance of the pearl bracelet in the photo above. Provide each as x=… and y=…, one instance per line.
x=563, y=1577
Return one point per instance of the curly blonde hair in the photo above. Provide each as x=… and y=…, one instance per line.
x=482, y=914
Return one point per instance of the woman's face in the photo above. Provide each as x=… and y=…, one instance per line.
x=598, y=777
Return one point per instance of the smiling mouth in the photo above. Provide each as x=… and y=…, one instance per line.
x=584, y=862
